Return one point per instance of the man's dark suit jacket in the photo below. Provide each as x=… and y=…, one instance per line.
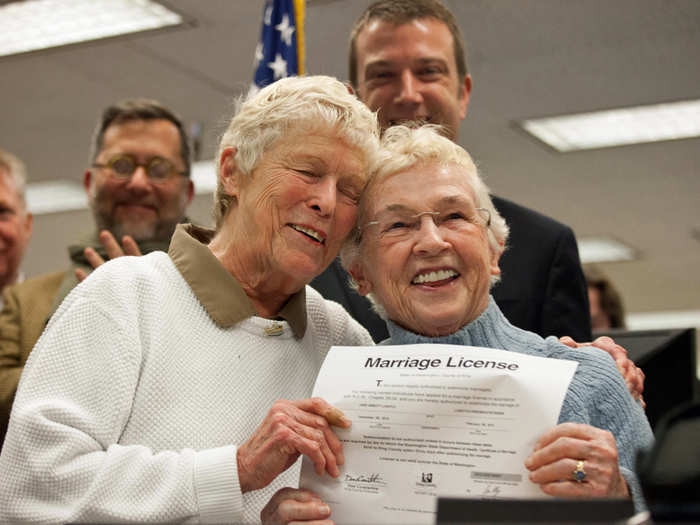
x=542, y=288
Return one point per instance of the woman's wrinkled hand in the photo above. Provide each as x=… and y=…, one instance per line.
x=295, y=506
x=291, y=429
x=560, y=452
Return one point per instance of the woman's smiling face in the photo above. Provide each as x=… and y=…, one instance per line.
x=425, y=253
x=300, y=203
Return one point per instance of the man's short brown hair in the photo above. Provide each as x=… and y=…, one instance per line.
x=400, y=12
x=139, y=109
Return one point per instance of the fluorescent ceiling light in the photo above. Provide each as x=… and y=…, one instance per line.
x=54, y=196
x=603, y=249
x=617, y=127
x=39, y=24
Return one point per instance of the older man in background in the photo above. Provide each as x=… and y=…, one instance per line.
x=15, y=220
x=408, y=62
x=138, y=188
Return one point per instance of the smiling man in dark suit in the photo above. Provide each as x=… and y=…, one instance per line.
x=408, y=62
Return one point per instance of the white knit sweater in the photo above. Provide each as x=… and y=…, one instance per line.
x=133, y=401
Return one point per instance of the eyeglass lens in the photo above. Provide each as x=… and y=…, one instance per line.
x=396, y=224
x=156, y=169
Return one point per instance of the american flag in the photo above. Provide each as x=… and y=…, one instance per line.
x=280, y=51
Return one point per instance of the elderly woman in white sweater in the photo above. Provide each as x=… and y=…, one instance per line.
x=145, y=398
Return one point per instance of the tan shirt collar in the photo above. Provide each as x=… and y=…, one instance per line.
x=219, y=292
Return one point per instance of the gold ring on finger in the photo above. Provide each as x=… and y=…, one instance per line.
x=578, y=473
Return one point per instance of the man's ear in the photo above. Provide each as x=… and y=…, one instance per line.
x=229, y=174
x=190, y=191
x=87, y=180
x=28, y=224
x=465, y=90
x=358, y=274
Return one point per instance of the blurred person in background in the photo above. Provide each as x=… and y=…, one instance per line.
x=15, y=220
x=138, y=187
x=607, y=309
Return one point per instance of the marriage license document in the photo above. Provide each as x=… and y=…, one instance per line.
x=433, y=420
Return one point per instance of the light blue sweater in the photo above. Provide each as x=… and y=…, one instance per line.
x=596, y=396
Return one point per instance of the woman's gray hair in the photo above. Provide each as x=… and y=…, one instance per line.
x=294, y=104
x=403, y=147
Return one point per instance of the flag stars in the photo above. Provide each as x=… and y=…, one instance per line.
x=279, y=67
x=286, y=31
x=276, y=54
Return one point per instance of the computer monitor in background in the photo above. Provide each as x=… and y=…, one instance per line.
x=668, y=360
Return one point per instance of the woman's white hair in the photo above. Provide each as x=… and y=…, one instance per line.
x=288, y=106
x=404, y=147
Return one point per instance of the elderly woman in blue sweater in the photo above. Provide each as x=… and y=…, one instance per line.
x=426, y=254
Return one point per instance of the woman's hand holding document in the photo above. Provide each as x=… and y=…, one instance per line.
x=431, y=420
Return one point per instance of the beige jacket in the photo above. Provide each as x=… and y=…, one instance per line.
x=22, y=320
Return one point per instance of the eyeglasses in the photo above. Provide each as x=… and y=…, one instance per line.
x=123, y=166
x=401, y=224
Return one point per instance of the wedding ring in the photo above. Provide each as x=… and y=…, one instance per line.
x=579, y=473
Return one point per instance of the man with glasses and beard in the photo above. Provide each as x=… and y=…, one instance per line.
x=138, y=188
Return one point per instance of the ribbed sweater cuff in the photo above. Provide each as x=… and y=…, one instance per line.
x=217, y=487
x=635, y=489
